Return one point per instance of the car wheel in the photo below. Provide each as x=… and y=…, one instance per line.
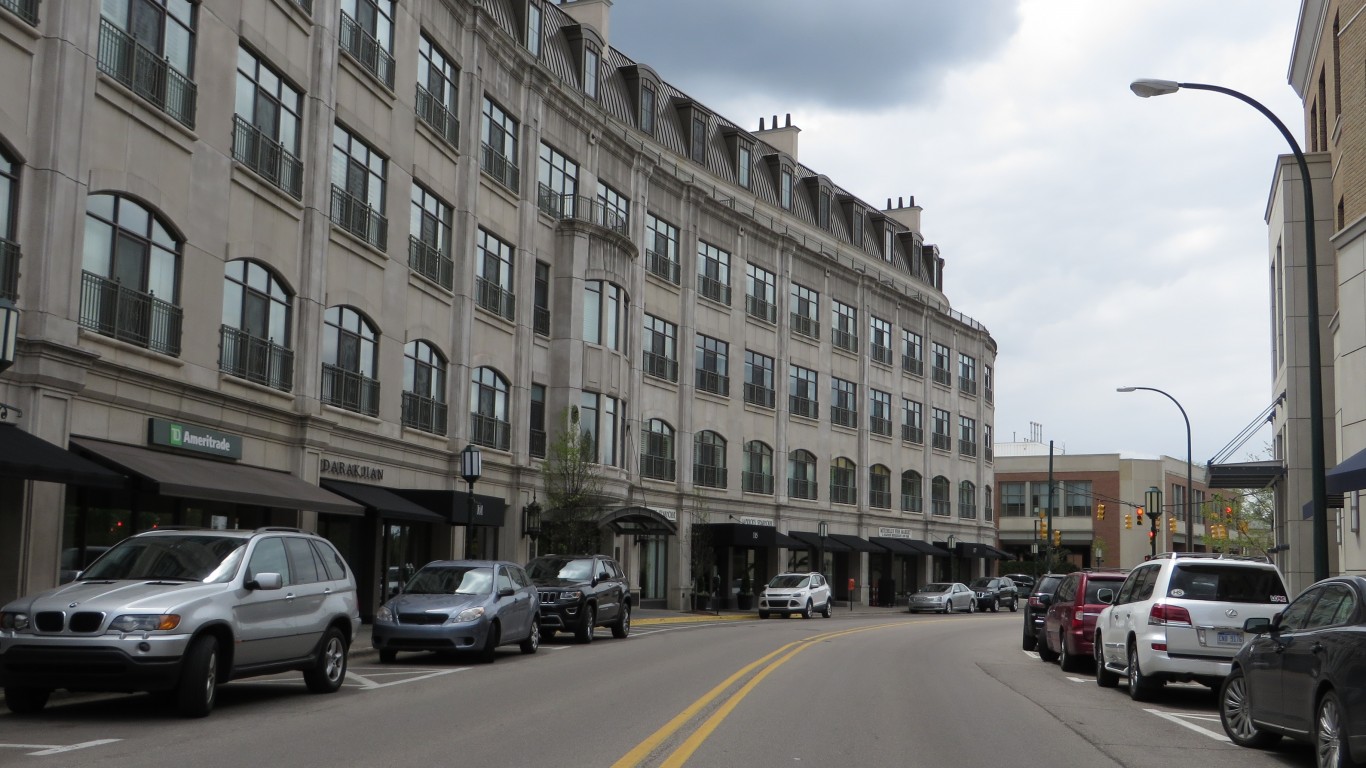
x=1046, y=653
x=329, y=667
x=1067, y=661
x=1014, y=602
x=995, y=605
x=972, y=605
x=806, y=609
x=948, y=606
x=763, y=614
x=198, y=684
x=1235, y=713
x=622, y=627
x=825, y=611
x=23, y=700
x=491, y=638
x=533, y=641
x=584, y=634
x=1330, y=743
x=387, y=656
x=1104, y=677
x=1140, y=687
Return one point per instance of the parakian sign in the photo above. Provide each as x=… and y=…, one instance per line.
x=349, y=469
x=188, y=437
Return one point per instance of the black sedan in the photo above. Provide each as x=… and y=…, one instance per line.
x=1300, y=675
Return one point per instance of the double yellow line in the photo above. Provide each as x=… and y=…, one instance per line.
x=690, y=745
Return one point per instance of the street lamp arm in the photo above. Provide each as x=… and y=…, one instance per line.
x=1257, y=105
x=1190, y=489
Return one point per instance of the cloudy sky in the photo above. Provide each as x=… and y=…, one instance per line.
x=1104, y=240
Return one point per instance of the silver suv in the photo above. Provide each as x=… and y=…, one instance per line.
x=180, y=611
x=1180, y=618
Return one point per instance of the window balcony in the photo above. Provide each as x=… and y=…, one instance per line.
x=660, y=367
x=880, y=499
x=843, y=494
x=713, y=382
x=806, y=326
x=24, y=9
x=490, y=432
x=255, y=359
x=108, y=308
x=911, y=503
x=880, y=426
x=357, y=217
x=913, y=366
x=845, y=417
x=657, y=467
x=940, y=508
x=350, y=390
x=801, y=489
x=761, y=396
x=803, y=406
x=988, y=394
x=987, y=453
x=267, y=157
x=367, y=51
x=558, y=205
x=661, y=266
x=758, y=308
x=844, y=340
x=756, y=482
x=942, y=442
x=424, y=413
x=967, y=448
x=428, y=261
x=537, y=443
x=713, y=289
x=9, y=269
x=438, y=117
x=913, y=434
x=967, y=511
x=942, y=376
x=146, y=73
x=709, y=476
x=494, y=298
x=501, y=168
x=880, y=354
x=967, y=386
x=540, y=321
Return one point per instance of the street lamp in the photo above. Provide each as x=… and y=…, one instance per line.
x=1190, y=490
x=471, y=469
x=1153, y=500
x=822, y=530
x=1317, y=480
x=952, y=541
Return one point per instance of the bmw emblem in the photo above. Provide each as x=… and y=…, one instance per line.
x=73, y=605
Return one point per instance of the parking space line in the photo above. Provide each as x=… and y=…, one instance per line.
x=369, y=685
x=1182, y=719
x=57, y=749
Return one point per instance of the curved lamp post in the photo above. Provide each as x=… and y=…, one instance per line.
x=1317, y=481
x=1190, y=490
x=471, y=469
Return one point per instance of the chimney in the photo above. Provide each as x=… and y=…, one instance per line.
x=906, y=215
x=783, y=139
x=590, y=13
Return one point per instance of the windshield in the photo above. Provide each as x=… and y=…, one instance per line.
x=789, y=581
x=980, y=583
x=935, y=588
x=567, y=568
x=207, y=558
x=451, y=580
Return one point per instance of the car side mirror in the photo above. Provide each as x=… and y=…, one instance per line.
x=266, y=581
x=1260, y=625
x=1105, y=595
x=507, y=592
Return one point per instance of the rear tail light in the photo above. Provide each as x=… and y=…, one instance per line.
x=1077, y=619
x=1167, y=615
x=1035, y=602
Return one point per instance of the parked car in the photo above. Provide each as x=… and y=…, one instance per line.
x=183, y=611
x=1023, y=582
x=1300, y=675
x=1070, y=619
x=1036, y=606
x=995, y=591
x=799, y=593
x=1180, y=617
x=580, y=592
x=943, y=597
x=460, y=606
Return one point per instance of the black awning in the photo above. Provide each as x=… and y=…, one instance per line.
x=454, y=506
x=384, y=502
x=812, y=540
x=1001, y=553
x=169, y=474
x=638, y=521
x=29, y=457
x=974, y=549
x=896, y=546
x=855, y=543
x=1349, y=475
x=788, y=542
x=933, y=550
x=746, y=535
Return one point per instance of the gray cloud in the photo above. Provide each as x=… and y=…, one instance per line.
x=857, y=54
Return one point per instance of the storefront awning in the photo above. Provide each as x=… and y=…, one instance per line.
x=855, y=543
x=454, y=506
x=29, y=457
x=933, y=550
x=746, y=535
x=638, y=521
x=384, y=502
x=896, y=546
x=169, y=474
x=812, y=540
x=974, y=549
x=1349, y=475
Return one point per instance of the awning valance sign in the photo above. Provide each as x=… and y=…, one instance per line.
x=179, y=436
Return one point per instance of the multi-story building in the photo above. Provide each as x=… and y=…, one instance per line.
x=230, y=316
x=1095, y=500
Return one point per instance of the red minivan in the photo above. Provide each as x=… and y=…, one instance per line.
x=1070, y=624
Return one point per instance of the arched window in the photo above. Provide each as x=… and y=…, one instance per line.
x=424, y=388
x=489, y=420
x=657, y=451
x=757, y=476
x=843, y=482
x=879, y=487
x=254, y=338
x=709, y=460
x=9, y=216
x=939, y=496
x=131, y=264
x=350, y=358
x=967, y=500
x=801, y=474
x=912, y=491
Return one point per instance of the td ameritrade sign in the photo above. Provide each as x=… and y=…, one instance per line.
x=188, y=437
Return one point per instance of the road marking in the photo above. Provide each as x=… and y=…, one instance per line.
x=57, y=749
x=368, y=684
x=1182, y=718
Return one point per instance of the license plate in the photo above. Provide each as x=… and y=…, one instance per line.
x=1230, y=638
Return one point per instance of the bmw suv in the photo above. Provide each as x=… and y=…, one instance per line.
x=181, y=611
x=1180, y=617
x=580, y=592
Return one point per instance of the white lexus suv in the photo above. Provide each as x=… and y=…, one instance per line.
x=1180, y=617
x=799, y=593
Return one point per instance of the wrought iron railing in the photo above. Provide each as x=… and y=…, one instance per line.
x=661, y=265
x=967, y=511
x=940, y=508
x=438, y=117
x=540, y=320
x=428, y=261
x=845, y=417
x=494, y=298
x=758, y=308
x=844, y=339
x=803, y=406
x=108, y=308
x=880, y=499
x=10, y=255
x=24, y=9
x=255, y=359
x=912, y=434
x=880, y=426
x=913, y=365
x=147, y=73
x=489, y=431
x=966, y=385
x=424, y=413
x=988, y=394
x=504, y=170
x=910, y=503
x=367, y=50
x=657, y=467
x=267, y=157
x=880, y=354
x=987, y=453
x=557, y=204
x=709, y=476
x=659, y=366
x=756, y=482
x=350, y=390
x=357, y=217
x=942, y=376
x=806, y=326
x=713, y=289
x=713, y=382
x=759, y=395
x=967, y=447
x=942, y=442
x=843, y=494
x=537, y=443
x=801, y=489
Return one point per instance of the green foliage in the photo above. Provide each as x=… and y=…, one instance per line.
x=574, y=491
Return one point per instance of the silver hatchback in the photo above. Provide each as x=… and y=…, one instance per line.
x=182, y=611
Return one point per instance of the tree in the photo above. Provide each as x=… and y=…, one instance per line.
x=698, y=543
x=573, y=489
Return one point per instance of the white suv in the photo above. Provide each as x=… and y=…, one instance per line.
x=181, y=611
x=1180, y=618
x=799, y=593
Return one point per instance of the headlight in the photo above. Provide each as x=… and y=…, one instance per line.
x=470, y=614
x=145, y=623
x=574, y=595
x=384, y=614
x=14, y=620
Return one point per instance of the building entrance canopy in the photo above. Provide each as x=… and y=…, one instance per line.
x=28, y=457
x=638, y=521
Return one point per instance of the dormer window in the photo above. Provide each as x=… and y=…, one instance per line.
x=643, y=85
x=740, y=150
x=533, y=29
x=785, y=190
x=742, y=163
x=888, y=240
x=698, y=142
x=694, y=120
x=585, y=45
x=823, y=209
x=647, y=109
x=590, y=72
x=857, y=229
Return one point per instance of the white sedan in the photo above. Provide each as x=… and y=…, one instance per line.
x=944, y=597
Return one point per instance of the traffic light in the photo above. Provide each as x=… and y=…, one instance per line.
x=1140, y=515
x=1151, y=535
x=1039, y=530
x=1100, y=511
x=1057, y=537
x=1228, y=511
x=1128, y=521
x=1171, y=524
